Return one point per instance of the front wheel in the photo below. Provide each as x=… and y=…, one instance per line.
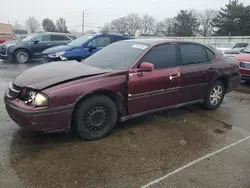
x=214, y=96
x=95, y=118
x=21, y=56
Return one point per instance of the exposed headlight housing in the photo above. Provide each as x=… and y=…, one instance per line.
x=36, y=99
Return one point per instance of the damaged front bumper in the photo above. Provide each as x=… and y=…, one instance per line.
x=40, y=119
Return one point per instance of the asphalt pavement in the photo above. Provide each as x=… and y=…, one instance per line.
x=187, y=147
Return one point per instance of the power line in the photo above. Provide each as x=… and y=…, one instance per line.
x=82, y=23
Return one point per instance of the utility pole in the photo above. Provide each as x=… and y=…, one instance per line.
x=82, y=23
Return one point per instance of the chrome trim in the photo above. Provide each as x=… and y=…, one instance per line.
x=152, y=93
x=11, y=87
x=200, y=84
x=4, y=55
x=159, y=109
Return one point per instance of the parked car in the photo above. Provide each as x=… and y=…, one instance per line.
x=244, y=63
x=126, y=79
x=5, y=37
x=232, y=47
x=82, y=47
x=32, y=46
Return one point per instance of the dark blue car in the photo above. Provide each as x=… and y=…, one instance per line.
x=32, y=46
x=82, y=47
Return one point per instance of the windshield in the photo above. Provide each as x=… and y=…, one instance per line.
x=117, y=56
x=29, y=37
x=80, y=41
x=247, y=49
x=228, y=45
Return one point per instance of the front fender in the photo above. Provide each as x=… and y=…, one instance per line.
x=77, y=52
x=71, y=92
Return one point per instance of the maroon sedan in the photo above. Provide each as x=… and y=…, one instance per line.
x=124, y=80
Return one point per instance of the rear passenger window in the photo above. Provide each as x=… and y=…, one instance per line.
x=59, y=38
x=162, y=56
x=210, y=54
x=192, y=54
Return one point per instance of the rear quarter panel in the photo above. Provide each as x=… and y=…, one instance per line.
x=226, y=68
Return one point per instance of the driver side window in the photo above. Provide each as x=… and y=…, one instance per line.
x=100, y=42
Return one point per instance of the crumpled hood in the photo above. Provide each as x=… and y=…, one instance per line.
x=43, y=76
x=57, y=49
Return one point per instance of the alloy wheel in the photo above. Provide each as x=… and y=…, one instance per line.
x=22, y=57
x=216, y=95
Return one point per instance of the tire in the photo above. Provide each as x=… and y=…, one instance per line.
x=212, y=103
x=21, y=56
x=95, y=118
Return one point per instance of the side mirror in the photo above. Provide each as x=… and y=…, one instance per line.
x=92, y=47
x=35, y=41
x=145, y=67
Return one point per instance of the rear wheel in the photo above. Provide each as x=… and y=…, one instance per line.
x=95, y=118
x=214, y=96
x=21, y=56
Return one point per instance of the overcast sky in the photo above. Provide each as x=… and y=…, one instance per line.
x=98, y=12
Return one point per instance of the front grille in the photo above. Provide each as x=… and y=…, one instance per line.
x=14, y=90
x=245, y=65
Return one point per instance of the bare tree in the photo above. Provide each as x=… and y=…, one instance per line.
x=119, y=25
x=134, y=23
x=16, y=26
x=165, y=27
x=61, y=25
x=108, y=28
x=148, y=24
x=32, y=24
x=205, y=18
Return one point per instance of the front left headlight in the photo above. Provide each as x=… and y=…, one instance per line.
x=37, y=99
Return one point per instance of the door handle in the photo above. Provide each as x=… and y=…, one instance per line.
x=175, y=75
x=211, y=69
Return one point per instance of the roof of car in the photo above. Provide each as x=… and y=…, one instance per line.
x=112, y=34
x=55, y=33
x=155, y=41
x=151, y=41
